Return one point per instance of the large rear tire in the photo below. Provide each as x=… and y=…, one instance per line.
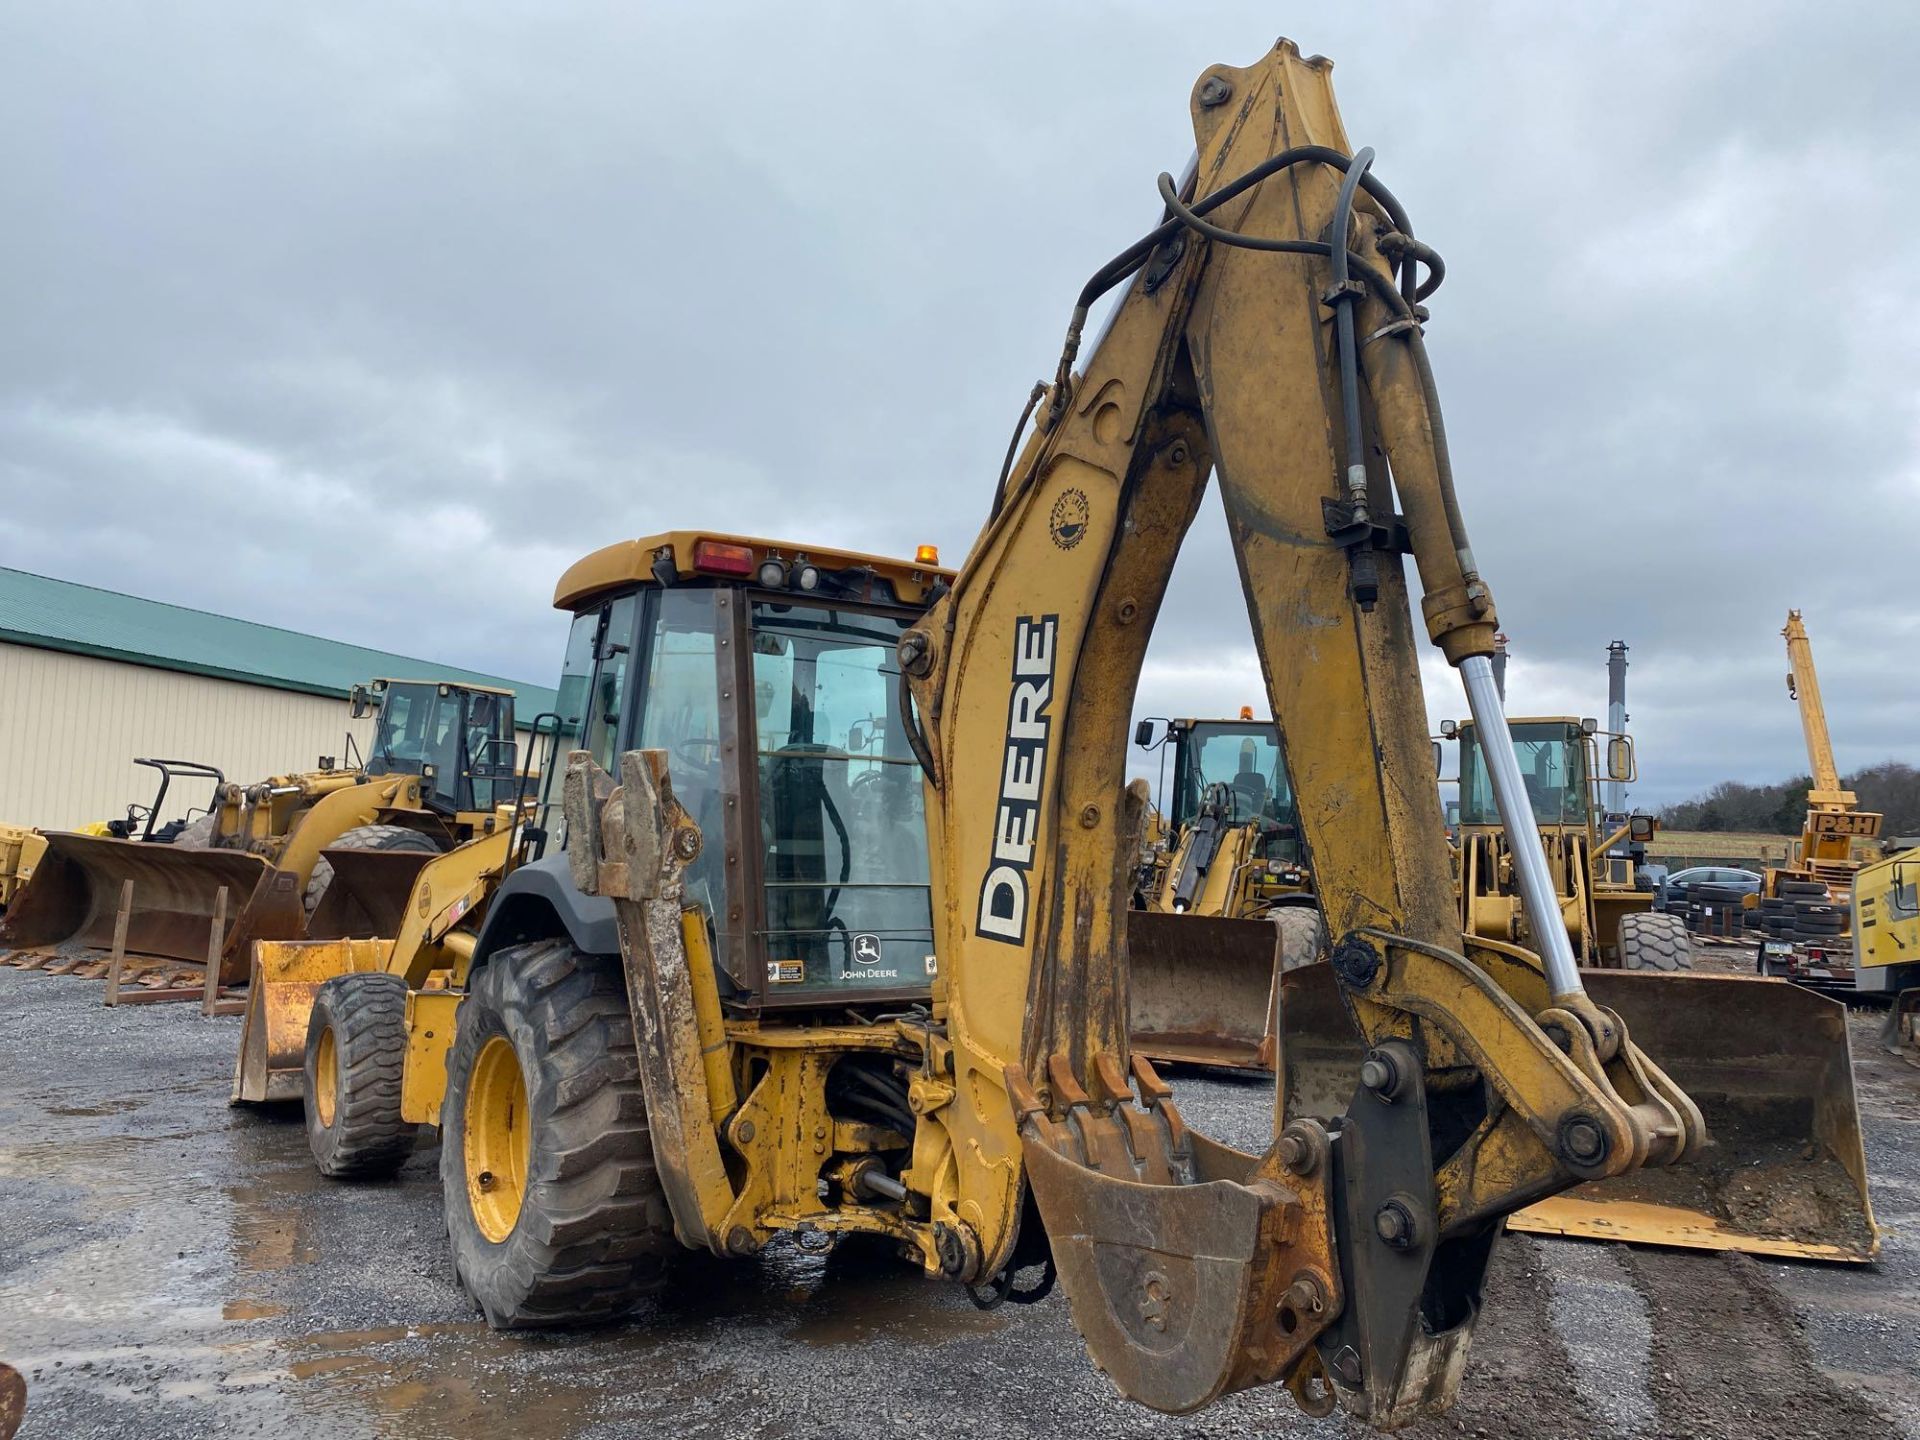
x=1654, y=942
x=1300, y=934
x=356, y=1054
x=555, y=1212
x=363, y=837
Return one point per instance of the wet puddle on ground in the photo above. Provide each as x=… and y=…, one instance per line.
x=269, y=1226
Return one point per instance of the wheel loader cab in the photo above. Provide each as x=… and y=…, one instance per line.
x=1554, y=758
x=768, y=675
x=457, y=738
x=1244, y=758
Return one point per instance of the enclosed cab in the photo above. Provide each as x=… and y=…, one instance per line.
x=1561, y=767
x=458, y=738
x=813, y=879
x=1231, y=801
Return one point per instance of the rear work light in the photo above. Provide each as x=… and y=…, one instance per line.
x=719, y=559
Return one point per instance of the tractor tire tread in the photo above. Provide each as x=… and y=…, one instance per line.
x=1300, y=935
x=1654, y=942
x=368, y=1139
x=594, y=1233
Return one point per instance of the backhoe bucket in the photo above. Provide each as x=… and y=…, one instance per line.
x=1768, y=1064
x=74, y=896
x=1200, y=988
x=368, y=893
x=287, y=975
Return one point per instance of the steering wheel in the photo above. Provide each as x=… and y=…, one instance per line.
x=685, y=749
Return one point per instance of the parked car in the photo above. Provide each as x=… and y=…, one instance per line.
x=1730, y=882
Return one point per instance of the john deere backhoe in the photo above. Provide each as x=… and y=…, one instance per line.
x=834, y=941
x=441, y=758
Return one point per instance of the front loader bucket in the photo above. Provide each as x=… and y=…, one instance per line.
x=1768, y=1064
x=73, y=898
x=368, y=893
x=287, y=974
x=1200, y=988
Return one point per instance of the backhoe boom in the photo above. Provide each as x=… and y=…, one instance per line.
x=1347, y=1260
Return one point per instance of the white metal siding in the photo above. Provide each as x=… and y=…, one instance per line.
x=70, y=726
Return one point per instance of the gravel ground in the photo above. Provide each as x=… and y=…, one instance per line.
x=173, y=1268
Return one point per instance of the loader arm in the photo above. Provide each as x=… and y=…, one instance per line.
x=1347, y=1260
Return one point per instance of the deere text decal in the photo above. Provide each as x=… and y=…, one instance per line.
x=1003, y=894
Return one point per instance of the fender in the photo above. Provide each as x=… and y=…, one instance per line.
x=539, y=901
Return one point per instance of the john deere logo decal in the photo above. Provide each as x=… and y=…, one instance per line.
x=1069, y=523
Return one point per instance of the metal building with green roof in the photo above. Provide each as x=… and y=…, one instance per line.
x=91, y=678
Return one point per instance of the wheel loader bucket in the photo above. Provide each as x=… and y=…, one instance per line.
x=74, y=896
x=1768, y=1064
x=368, y=893
x=1200, y=988
x=287, y=975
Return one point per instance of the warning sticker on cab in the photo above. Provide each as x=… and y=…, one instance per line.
x=786, y=972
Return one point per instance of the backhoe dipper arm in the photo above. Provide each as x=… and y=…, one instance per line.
x=1347, y=1260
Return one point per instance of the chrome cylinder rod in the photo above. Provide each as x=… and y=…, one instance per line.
x=1537, y=896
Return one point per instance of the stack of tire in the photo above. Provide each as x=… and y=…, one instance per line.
x=1713, y=910
x=1802, y=914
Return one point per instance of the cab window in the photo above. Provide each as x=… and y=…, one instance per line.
x=680, y=714
x=847, y=901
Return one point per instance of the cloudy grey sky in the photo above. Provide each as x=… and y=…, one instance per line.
x=301, y=301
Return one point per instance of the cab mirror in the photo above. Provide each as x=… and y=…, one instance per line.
x=359, y=702
x=1146, y=733
x=1620, y=758
x=1438, y=755
x=858, y=737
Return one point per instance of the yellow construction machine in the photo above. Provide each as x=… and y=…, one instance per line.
x=1886, y=943
x=442, y=759
x=1234, y=855
x=831, y=936
x=1608, y=918
x=413, y=947
x=1805, y=905
x=20, y=850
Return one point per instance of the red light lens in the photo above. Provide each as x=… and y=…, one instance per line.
x=719, y=559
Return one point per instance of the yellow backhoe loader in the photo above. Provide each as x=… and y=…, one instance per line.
x=442, y=758
x=1235, y=856
x=835, y=940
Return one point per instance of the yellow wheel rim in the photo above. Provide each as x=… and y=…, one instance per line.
x=326, y=1078
x=497, y=1136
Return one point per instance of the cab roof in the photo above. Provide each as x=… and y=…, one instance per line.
x=632, y=562
x=450, y=684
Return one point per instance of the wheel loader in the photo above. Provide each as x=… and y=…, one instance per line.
x=1608, y=917
x=1231, y=885
x=442, y=756
x=829, y=937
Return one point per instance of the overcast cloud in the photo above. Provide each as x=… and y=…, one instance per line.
x=367, y=319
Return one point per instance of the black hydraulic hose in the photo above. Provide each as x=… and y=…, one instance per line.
x=1347, y=347
x=1013, y=450
x=1380, y=284
x=1413, y=251
x=1134, y=256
